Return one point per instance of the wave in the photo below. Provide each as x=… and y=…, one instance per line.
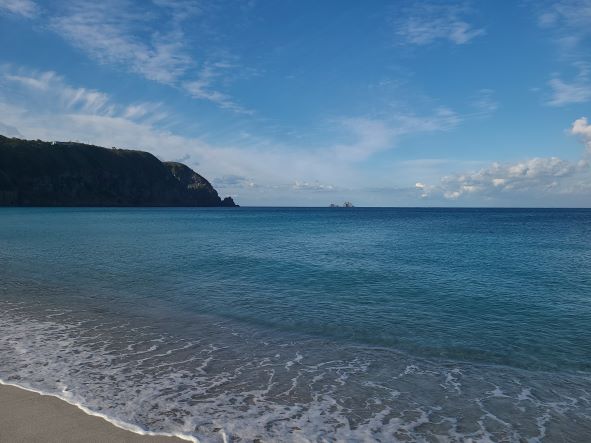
x=222, y=381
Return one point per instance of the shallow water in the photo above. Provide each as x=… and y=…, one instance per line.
x=305, y=324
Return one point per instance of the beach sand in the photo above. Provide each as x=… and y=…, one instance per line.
x=26, y=416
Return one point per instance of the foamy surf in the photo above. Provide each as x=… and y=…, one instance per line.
x=115, y=422
x=242, y=385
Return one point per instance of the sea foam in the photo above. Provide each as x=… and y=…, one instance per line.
x=241, y=384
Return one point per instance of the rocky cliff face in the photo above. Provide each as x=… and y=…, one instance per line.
x=36, y=173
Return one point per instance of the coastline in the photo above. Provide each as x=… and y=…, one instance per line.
x=32, y=416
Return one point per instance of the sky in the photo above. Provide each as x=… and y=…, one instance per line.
x=307, y=103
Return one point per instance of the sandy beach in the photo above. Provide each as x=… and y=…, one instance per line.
x=26, y=416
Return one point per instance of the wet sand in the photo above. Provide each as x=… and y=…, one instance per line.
x=26, y=416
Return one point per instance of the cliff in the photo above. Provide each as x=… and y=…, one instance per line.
x=37, y=173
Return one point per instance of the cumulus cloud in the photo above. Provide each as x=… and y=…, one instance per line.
x=423, y=189
x=535, y=174
x=582, y=128
x=24, y=8
x=424, y=23
x=531, y=177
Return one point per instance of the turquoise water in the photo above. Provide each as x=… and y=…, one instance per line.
x=305, y=324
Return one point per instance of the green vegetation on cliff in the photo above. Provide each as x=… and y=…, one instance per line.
x=37, y=173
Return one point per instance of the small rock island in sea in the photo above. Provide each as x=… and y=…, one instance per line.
x=345, y=205
x=37, y=173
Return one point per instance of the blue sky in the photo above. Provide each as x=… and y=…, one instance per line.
x=398, y=103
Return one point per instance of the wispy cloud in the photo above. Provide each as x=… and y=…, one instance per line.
x=576, y=91
x=423, y=23
x=569, y=19
x=234, y=181
x=367, y=136
x=311, y=186
x=146, y=41
x=24, y=8
x=181, y=10
x=203, y=86
x=9, y=131
x=48, y=93
x=124, y=38
x=568, y=24
x=43, y=105
x=442, y=119
x=49, y=84
x=566, y=93
x=484, y=101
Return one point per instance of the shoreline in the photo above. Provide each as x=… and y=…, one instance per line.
x=34, y=416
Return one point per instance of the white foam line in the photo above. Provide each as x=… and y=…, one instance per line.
x=115, y=422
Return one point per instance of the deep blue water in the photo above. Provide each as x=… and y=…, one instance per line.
x=394, y=323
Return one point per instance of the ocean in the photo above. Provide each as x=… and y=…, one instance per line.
x=297, y=325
